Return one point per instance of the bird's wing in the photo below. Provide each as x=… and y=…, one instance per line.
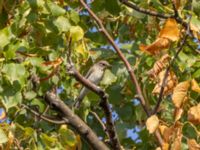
x=89, y=72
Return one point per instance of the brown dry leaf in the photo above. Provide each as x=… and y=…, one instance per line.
x=170, y=30
x=168, y=133
x=159, y=66
x=165, y=146
x=192, y=144
x=171, y=82
x=152, y=123
x=54, y=63
x=177, y=3
x=179, y=96
x=194, y=114
x=178, y=113
x=177, y=143
x=195, y=86
x=156, y=47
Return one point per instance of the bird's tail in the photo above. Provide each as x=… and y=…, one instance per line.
x=80, y=98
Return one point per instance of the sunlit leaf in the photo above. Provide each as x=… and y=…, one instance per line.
x=179, y=96
x=170, y=30
x=193, y=145
x=3, y=137
x=76, y=33
x=194, y=114
x=152, y=123
x=194, y=85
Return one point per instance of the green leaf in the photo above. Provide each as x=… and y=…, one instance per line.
x=109, y=78
x=48, y=140
x=189, y=131
x=55, y=9
x=30, y=95
x=15, y=72
x=67, y=136
x=3, y=137
x=5, y=36
x=11, y=100
x=196, y=74
x=38, y=103
x=76, y=33
x=62, y=23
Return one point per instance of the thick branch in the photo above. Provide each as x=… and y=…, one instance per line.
x=104, y=98
x=73, y=120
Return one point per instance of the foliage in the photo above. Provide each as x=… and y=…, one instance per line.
x=34, y=35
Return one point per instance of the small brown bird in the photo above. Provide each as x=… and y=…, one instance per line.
x=94, y=75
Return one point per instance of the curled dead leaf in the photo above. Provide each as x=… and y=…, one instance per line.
x=171, y=82
x=155, y=47
x=194, y=114
x=179, y=96
x=195, y=87
x=159, y=66
x=192, y=144
x=152, y=123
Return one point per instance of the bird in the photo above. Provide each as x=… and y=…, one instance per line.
x=94, y=75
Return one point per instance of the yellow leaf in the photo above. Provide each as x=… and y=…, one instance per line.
x=178, y=113
x=170, y=30
x=179, y=96
x=195, y=86
x=192, y=144
x=152, y=123
x=194, y=114
x=76, y=32
x=165, y=146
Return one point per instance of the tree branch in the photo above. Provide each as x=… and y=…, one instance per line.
x=100, y=122
x=127, y=64
x=145, y=11
x=81, y=127
x=168, y=68
x=120, y=54
x=114, y=140
x=46, y=118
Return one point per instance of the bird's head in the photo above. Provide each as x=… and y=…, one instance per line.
x=103, y=64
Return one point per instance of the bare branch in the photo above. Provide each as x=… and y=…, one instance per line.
x=81, y=127
x=46, y=118
x=145, y=11
x=100, y=122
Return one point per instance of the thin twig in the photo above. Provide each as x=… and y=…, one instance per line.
x=168, y=68
x=46, y=118
x=194, y=49
x=100, y=122
x=145, y=11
